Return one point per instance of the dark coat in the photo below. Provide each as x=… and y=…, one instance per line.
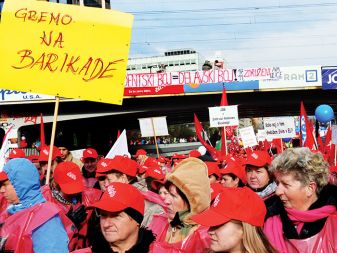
x=145, y=238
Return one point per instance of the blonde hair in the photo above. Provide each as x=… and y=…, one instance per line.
x=254, y=240
x=305, y=165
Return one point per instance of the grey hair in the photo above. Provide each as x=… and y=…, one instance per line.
x=305, y=165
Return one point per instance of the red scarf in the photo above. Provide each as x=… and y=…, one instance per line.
x=274, y=230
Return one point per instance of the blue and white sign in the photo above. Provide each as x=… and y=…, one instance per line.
x=18, y=96
x=329, y=78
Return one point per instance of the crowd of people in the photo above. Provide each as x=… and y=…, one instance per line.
x=256, y=202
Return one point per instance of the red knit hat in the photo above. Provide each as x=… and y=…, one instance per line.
x=17, y=153
x=234, y=204
x=258, y=158
x=68, y=176
x=118, y=196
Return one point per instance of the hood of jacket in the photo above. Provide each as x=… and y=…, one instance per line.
x=191, y=177
x=25, y=179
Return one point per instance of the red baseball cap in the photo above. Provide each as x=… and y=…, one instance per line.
x=216, y=188
x=33, y=158
x=140, y=152
x=194, y=153
x=234, y=204
x=44, y=153
x=162, y=159
x=89, y=153
x=118, y=163
x=17, y=153
x=258, y=158
x=118, y=196
x=155, y=172
x=3, y=176
x=237, y=169
x=213, y=168
x=68, y=176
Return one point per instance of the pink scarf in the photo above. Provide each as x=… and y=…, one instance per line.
x=274, y=230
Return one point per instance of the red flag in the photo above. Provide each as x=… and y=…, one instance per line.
x=306, y=130
x=42, y=136
x=223, y=102
x=118, y=133
x=277, y=143
x=198, y=130
x=327, y=143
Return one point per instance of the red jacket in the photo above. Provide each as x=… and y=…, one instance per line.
x=17, y=229
x=324, y=241
x=89, y=196
x=197, y=242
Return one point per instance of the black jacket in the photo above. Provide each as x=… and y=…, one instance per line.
x=328, y=196
x=145, y=238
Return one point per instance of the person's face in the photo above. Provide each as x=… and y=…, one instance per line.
x=90, y=164
x=114, y=177
x=226, y=237
x=118, y=227
x=163, y=192
x=44, y=167
x=101, y=182
x=293, y=193
x=174, y=202
x=212, y=179
x=9, y=192
x=228, y=181
x=257, y=177
x=64, y=152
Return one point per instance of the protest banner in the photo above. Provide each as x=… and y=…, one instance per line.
x=279, y=127
x=222, y=116
x=64, y=50
x=248, y=136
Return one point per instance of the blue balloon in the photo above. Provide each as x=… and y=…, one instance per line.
x=324, y=113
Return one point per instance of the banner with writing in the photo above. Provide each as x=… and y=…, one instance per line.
x=280, y=127
x=64, y=50
x=222, y=116
x=248, y=137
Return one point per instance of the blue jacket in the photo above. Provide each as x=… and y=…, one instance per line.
x=51, y=236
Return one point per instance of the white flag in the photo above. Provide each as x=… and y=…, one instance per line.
x=4, y=148
x=120, y=147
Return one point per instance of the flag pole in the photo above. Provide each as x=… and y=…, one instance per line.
x=155, y=137
x=53, y=131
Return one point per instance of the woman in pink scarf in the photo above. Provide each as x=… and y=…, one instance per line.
x=305, y=218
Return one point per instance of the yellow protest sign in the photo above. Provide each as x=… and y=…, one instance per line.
x=64, y=50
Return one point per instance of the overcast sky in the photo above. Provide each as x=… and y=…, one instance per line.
x=244, y=33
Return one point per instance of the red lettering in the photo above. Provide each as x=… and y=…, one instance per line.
x=92, y=76
x=54, y=19
x=43, y=16
x=86, y=67
x=19, y=14
x=26, y=55
x=59, y=41
x=39, y=61
x=66, y=19
x=52, y=58
x=44, y=38
x=107, y=69
x=32, y=15
x=71, y=63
